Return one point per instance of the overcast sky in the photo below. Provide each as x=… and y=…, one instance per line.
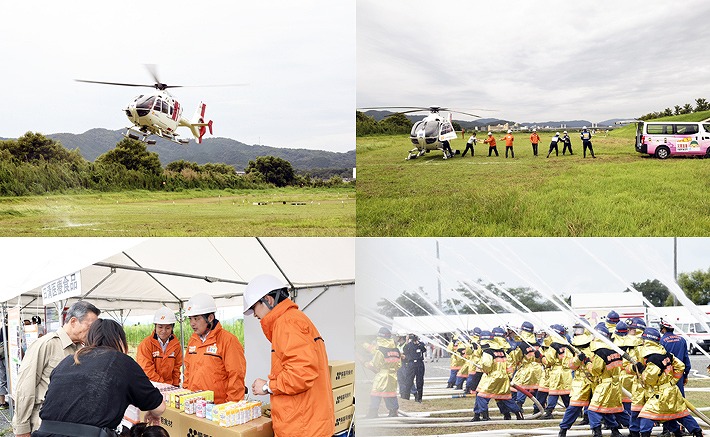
x=533, y=61
x=297, y=60
x=388, y=266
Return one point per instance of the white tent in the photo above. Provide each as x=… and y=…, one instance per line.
x=140, y=275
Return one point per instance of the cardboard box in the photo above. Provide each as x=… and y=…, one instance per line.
x=341, y=372
x=343, y=396
x=193, y=426
x=171, y=420
x=343, y=418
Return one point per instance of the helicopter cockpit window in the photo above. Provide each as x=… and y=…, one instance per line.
x=157, y=105
x=145, y=102
x=418, y=125
x=165, y=107
x=431, y=129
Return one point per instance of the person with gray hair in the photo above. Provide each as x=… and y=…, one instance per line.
x=41, y=358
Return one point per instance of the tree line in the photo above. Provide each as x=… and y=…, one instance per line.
x=34, y=164
x=700, y=106
x=695, y=285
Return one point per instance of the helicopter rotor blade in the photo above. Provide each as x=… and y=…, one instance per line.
x=115, y=83
x=153, y=70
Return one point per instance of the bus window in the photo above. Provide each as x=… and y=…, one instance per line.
x=699, y=328
x=659, y=129
x=686, y=129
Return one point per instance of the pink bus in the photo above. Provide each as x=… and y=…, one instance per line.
x=668, y=138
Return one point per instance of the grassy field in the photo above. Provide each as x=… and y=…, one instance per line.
x=620, y=193
x=282, y=212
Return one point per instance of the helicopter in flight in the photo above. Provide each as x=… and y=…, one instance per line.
x=159, y=113
x=433, y=132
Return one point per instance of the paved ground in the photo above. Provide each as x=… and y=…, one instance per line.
x=5, y=428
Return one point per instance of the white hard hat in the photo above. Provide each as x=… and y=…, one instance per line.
x=490, y=133
x=164, y=316
x=557, y=133
x=534, y=130
x=510, y=131
x=199, y=304
x=565, y=132
x=259, y=287
x=584, y=127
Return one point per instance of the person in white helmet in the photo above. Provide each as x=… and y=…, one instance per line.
x=567, y=143
x=508, y=138
x=299, y=380
x=534, y=140
x=160, y=353
x=553, y=145
x=215, y=358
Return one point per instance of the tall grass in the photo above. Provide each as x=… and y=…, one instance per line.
x=620, y=193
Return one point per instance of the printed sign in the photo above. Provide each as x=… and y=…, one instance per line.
x=62, y=288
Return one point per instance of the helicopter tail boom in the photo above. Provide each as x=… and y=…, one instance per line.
x=198, y=125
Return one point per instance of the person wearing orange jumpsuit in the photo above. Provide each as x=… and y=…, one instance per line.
x=491, y=141
x=509, y=143
x=299, y=381
x=160, y=353
x=215, y=358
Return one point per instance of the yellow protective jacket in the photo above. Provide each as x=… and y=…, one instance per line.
x=605, y=368
x=581, y=392
x=559, y=376
x=544, y=374
x=495, y=383
x=160, y=366
x=628, y=344
x=302, y=399
x=457, y=349
x=217, y=364
x=640, y=393
x=525, y=359
x=474, y=357
x=386, y=360
x=661, y=374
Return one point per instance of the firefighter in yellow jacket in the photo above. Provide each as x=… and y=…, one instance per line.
x=457, y=349
x=386, y=360
x=474, y=361
x=559, y=377
x=581, y=392
x=661, y=373
x=525, y=358
x=640, y=393
x=626, y=343
x=605, y=366
x=495, y=383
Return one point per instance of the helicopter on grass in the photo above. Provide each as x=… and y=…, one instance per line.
x=433, y=132
x=159, y=113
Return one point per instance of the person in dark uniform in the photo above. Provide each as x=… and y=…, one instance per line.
x=676, y=345
x=586, y=142
x=553, y=145
x=448, y=153
x=469, y=144
x=414, y=352
x=567, y=141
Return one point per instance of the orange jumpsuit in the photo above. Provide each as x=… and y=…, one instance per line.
x=158, y=365
x=218, y=364
x=302, y=399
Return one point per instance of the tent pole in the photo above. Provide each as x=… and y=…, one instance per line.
x=275, y=263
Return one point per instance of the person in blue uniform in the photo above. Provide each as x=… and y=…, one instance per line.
x=414, y=352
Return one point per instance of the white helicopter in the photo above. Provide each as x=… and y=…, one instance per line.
x=158, y=113
x=433, y=132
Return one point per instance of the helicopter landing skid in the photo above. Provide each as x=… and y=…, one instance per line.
x=138, y=136
x=415, y=153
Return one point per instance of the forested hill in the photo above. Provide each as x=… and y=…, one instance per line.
x=95, y=142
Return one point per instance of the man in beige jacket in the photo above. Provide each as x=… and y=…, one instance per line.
x=39, y=361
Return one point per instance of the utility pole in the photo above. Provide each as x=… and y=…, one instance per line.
x=438, y=271
x=675, y=266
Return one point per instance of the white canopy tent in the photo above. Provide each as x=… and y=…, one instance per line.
x=137, y=276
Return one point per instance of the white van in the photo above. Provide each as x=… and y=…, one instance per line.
x=669, y=138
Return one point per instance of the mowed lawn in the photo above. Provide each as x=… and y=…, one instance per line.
x=281, y=212
x=620, y=193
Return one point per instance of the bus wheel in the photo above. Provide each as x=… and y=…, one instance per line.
x=707, y=153
x=663, y=152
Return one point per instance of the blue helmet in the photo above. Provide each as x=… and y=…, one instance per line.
x=637, y=323
x=486, y=336
x=612, y=317
x=622, y=329
x=601, y=327
x=651, y=334
x=527, y=327
x=498, y=332
x=477, y=331
x=559, y=329
x=384, y=332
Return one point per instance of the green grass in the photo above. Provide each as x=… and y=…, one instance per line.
x=319, y=211
x=620, y=193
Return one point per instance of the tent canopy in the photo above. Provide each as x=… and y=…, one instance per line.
x=112, y=279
